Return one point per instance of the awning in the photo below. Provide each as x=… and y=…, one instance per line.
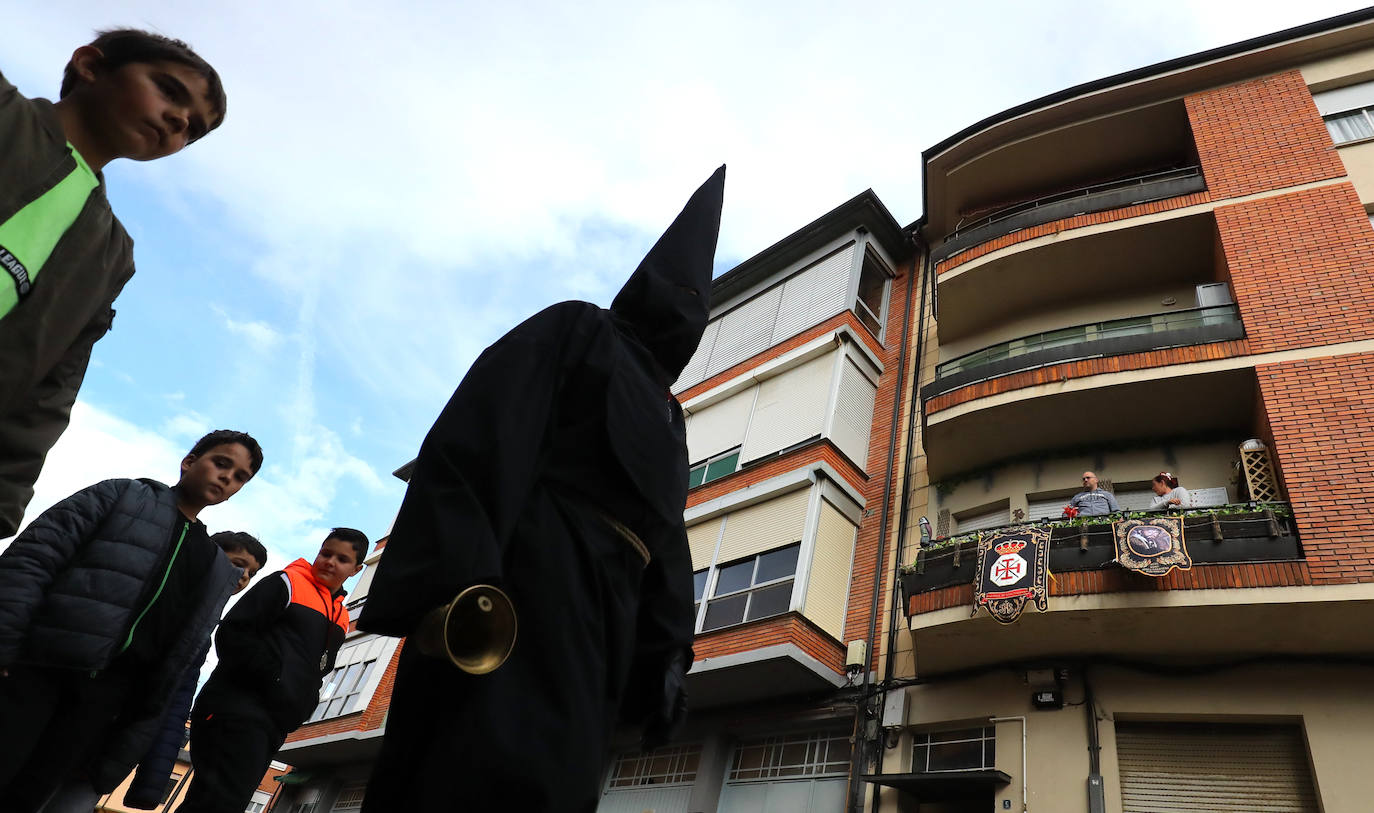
x=944, y=785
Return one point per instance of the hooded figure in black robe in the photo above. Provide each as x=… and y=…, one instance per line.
x=558, y=472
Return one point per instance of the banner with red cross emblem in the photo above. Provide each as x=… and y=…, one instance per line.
x=1012, y=570
x=1151, y=546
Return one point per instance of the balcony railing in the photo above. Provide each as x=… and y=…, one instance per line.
x=1094, y=340
x=1084, y=200
x=1244, y=532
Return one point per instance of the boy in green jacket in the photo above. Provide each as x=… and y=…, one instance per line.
x=64, y=257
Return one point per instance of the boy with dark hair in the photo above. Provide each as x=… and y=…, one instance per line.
x=105, y=601
x=65, y=257
x=275, y=647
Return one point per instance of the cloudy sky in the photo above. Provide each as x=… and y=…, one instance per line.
x=398, y=183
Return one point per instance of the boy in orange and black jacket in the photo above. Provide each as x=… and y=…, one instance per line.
x=275, y=646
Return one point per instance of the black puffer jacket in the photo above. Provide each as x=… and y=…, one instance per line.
x=72, y=583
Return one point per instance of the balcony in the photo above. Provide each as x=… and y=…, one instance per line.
x=1018, y=169
x=1100, y=197
x=1235, y=533
x=1092, y=340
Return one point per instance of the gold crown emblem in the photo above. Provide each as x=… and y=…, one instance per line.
x=1010, y=546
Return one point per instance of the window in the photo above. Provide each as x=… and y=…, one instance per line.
x=872, y=298
x=345, y=690
x=713, y=468
x=791, y=755
x=962, y=749
x=676, y=765
x=1354, y=125
x=753, y=588
x=350, y=798
x=976, y=519
x=253, y=807
x=699, y=585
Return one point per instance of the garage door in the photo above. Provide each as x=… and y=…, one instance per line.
x=1201, y=768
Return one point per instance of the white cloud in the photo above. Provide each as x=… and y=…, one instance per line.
x=259, y=335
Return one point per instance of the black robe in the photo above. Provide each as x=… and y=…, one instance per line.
x=562, y=423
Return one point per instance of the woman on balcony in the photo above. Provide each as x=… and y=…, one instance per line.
x=1168, y=493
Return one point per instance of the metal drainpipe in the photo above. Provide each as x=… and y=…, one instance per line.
x=1025, y=804
x=906, y=473
x=861, y=723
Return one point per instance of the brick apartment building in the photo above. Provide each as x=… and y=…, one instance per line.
x=1148, y=272
x=1184, y=267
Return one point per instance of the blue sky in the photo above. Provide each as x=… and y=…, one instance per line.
x=397, y=184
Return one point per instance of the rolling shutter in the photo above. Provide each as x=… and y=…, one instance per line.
x=1202, y=768
x=828, y=590
x=695, y=371
x=854, y=414
x=985, y=519
x=790, y=408
x=815, y=294
x=701, y=541
x=719, y=426
x=765, y=526
x=745, y=331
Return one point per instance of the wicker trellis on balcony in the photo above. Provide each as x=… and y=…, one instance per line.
x=1259, y=472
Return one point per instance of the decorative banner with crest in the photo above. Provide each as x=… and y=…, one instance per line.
x=1012, y=569
x=1151, y=546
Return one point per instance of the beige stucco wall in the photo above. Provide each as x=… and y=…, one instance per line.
x=1359, y=164
x=1205, y=465
x=1332, y=705
x=827, y=589
x=1095, y=309
x=1338, y=71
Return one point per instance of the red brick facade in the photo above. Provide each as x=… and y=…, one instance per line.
x=1321, y=414
x=792, y=628
x=1300, y=266
x=1259, y=135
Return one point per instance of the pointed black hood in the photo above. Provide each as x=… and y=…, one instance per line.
x=667, y=301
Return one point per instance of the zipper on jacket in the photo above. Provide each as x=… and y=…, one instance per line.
x=166, y=573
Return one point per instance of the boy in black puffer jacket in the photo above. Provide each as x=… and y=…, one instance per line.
x=149, y=787
x=275, y=646
x=105, y=600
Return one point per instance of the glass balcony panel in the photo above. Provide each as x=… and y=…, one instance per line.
x=1086, y=335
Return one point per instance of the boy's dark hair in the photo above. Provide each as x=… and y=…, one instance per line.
x=352, y=536
x=122, y=46
x=223, y=436
x=231, y=541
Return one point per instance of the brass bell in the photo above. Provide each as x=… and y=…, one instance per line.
x=475, y=631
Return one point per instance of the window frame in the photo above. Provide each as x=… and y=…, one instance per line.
x=773, y=750
x=710, y=596
x=869, y=260
x=684, y=765
x=705, y=467
x=925, y=739
x=1366, y=112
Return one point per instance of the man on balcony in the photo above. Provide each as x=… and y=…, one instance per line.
x=1094, y=502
